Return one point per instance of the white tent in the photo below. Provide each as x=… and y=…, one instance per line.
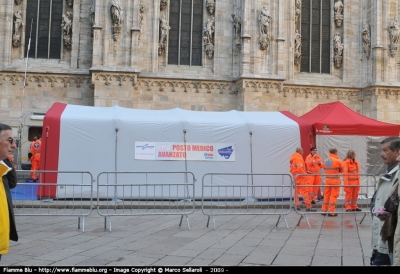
x=108, y=139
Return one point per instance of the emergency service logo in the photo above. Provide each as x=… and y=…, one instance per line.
x=208, y=155
x=145, y=150
x=226, y=152
x=146, y=146
x=325, y=129
x=328, y=162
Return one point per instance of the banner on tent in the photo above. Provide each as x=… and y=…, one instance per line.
x=158, y=151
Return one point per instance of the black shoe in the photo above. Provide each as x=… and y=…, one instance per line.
x=357, y=209
x=311, y=210
x=298, y=208
x=349, y=210
x=332, y=215
x=313, y=202
x=323, y=214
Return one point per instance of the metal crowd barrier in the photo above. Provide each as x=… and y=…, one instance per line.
x=55, y=193
x=246, y=194
x=366, y=191
x=145, y=193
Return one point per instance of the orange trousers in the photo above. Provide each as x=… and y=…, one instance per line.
x=351, y=196
x=302, y=188
x=35, y=161
x=331, y=193
x=313, y=182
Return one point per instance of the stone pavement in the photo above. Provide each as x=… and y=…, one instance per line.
x=245, y=240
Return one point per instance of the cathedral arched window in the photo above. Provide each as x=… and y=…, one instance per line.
x=46, y=28
x=185, y=35
x=315, y=36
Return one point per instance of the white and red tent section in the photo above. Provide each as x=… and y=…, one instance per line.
x=336, y=125
x=109, y=139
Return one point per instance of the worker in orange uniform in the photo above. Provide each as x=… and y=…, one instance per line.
x=333, y=168
x=351, y=183
x=313, y=167
x=297, y=168
x=35, y=159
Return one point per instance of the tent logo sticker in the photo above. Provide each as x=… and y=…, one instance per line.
x=225, y=152
x=325, y=129
x=145, y=146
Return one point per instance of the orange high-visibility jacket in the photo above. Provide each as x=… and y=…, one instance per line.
x=297, y=164
x=35, y=148
x=351, y=167
x=333, y=165
x=313, y=164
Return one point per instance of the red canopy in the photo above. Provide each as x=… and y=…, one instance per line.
x=337, y=119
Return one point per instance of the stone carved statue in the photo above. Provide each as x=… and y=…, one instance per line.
x=17, y=2
x=237, y=28
x=264, y=20
x=297, y=5
x=208, y=37
x=297, y=48
x=164, y=30
x=338, y=7
x=67, y=29
x=92, y=16
x=141, y=22
x=163, y=4
x=366, y=40
x=116, y=17
x=70, y=3
x=16, y=38
x=394, y=34
x=210, y=6
x=338, y=48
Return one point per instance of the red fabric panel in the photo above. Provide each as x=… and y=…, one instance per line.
x=337, y=119
x=50, y=150
x=306, y=132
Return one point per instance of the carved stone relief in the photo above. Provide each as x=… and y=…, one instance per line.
x=319, y=93
x=338, y=7
x=141, y=21
x=264, y=20
x=297, y=11
x=17, y=2
x=92, y=16
x=70, y=3
x=210, y=6
x=16, y=38
x=366, y=38
x=164, y=30
x=237, y=28
x=116, y=18
x=338, y=48
x=50, y=79
x=67, y=29
x=208, y=37
x=163, y=4
x=394, y=35
x=297, y=48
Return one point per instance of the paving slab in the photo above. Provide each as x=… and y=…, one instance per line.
x=159, y=240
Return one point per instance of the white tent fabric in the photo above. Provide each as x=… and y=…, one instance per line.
x=101, y=139
x=367, y=150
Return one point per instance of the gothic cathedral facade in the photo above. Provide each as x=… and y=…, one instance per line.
x=201, y=55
